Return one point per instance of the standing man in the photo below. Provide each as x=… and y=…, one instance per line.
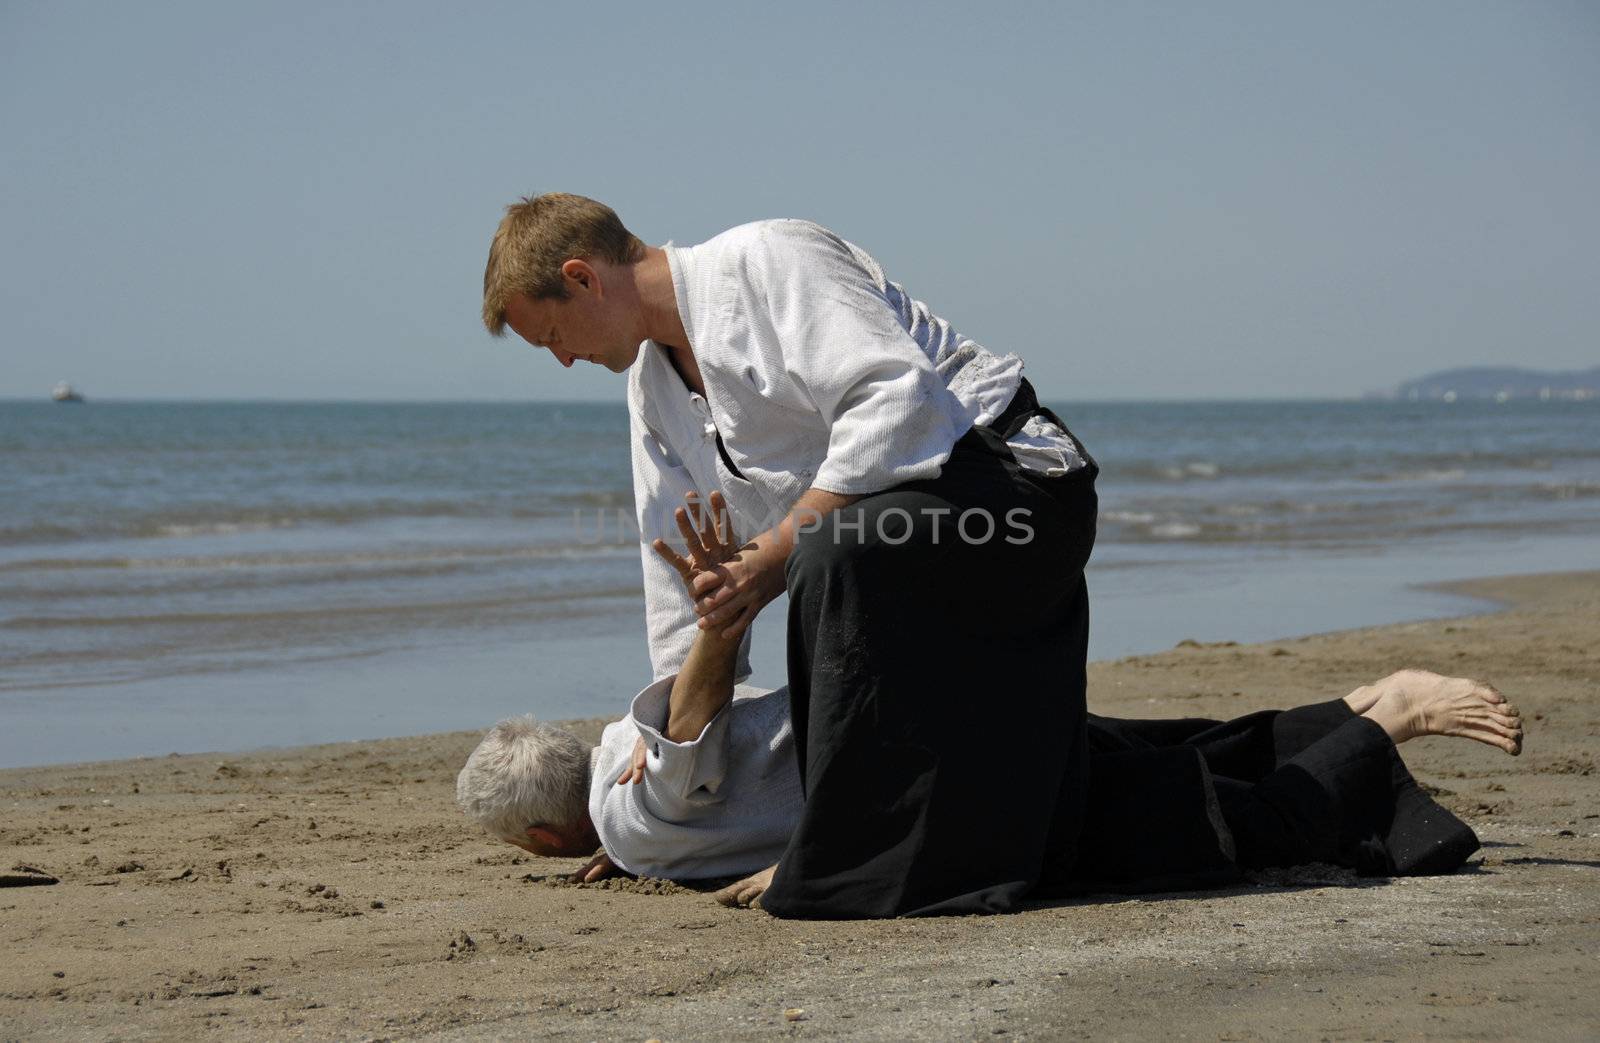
x=929, y=519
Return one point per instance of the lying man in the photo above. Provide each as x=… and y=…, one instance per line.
x=700, y=780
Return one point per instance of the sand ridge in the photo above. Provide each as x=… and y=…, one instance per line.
x=334, y=892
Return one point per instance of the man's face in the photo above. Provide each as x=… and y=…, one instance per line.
x=585, y=327
x=554, y=842
x=541, y=846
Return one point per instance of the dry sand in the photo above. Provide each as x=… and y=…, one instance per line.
x=334, y=892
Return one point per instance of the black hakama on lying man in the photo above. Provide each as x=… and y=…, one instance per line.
x=701, y=781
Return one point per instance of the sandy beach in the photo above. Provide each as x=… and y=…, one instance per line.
x=335, y=892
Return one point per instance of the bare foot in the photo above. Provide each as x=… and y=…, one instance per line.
x=747, y=892
x=1361, y=700
x=1412, y=703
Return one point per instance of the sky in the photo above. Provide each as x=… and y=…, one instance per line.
x=1143, y=200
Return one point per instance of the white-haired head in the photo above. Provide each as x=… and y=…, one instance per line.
x=526, y=774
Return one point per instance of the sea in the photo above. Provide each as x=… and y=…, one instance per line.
x=187, y=577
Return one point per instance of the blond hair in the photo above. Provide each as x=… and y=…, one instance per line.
x=536, y=237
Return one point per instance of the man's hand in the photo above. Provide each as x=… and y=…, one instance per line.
x=729, y=596
x=745, y=577
x=635, y=770
x=599, y=867
x=728, y=583
x=708, y=534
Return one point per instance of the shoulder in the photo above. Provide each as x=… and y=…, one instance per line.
x=759, y=244
x=774, y=229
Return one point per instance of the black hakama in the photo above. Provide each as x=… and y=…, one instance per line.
x=936, y=683
x=936, y=677
x=1182, y=804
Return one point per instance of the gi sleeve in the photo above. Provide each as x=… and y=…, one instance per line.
x=679, y=776
x=890, y=417
x=660, y=481
x=670, y=820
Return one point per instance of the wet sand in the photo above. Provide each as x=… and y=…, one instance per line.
x=334, y=892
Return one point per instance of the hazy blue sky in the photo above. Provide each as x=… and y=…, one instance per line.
x=1144, y=200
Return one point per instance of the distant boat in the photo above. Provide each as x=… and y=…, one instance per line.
x=64, y=393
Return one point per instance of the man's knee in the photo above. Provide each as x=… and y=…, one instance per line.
x=890, y=541
x=828, y=546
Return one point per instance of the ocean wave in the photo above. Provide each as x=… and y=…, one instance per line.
x=1579, y=490
x=319, y=615
x=181, y=523
x=221, y=528
x=1181, y=472
x=1272, y=458
x=1127, y=526
x=1276, y=521
x=323, y=559
x=1445, y=474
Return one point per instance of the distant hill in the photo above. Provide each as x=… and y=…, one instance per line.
x=1502, y=382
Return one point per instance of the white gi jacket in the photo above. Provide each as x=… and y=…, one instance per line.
x=818, y=371
x=721, y=804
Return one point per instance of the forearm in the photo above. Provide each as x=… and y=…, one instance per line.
x=703, y=686
x=808, y=511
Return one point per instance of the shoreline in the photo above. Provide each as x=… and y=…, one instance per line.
x=768, y=651
x=334, y=891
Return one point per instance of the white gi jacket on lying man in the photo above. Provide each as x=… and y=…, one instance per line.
x=819, y=372
x=720, y=804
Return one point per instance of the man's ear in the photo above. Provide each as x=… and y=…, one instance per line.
x=546, y=838
x=577, y=270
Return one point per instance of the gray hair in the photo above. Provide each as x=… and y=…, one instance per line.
x=525, y=774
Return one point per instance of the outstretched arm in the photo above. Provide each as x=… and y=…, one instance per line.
x=660, y=482
x=657, y=825
x=704, y=684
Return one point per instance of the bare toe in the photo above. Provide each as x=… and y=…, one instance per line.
x=1493, y=733
x=746, y=893
x=1514, y=723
